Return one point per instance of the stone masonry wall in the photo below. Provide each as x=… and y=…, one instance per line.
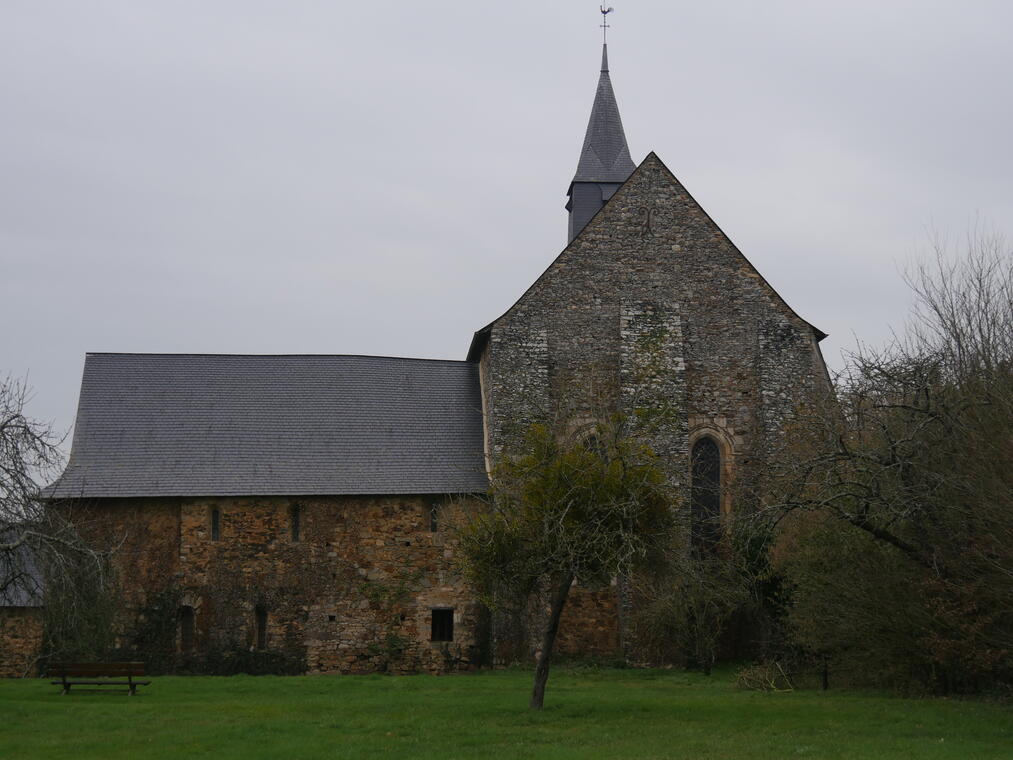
x=732, y=352
x=589, y=625
x=652, y=296
x=353, y=592
x=20, y=640
x=143, y=535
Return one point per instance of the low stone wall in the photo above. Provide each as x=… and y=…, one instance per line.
x=20, y=640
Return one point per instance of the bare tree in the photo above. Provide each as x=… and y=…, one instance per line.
x=684, y=605
x=40, y=543
x=963, y=314
x=916, y=453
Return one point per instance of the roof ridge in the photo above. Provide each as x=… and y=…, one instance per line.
x=272, y=356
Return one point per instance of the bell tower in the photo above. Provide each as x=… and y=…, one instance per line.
x=605, y=161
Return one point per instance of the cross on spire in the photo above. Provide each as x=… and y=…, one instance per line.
x=604, y=22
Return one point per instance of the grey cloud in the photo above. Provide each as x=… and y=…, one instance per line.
x=386, y=178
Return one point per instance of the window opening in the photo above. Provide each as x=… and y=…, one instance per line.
x=186, y=628
x=261, y=622
x=216, y=524
x=295, y=521
x=705, y=495
x=434, y=517
x=443, y=625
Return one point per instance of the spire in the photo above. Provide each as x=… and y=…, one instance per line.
x=605, y=156
x=605, y=161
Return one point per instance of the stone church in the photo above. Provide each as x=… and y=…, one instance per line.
x=303, y=505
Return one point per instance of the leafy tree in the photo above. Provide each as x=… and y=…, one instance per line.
x=563, y=508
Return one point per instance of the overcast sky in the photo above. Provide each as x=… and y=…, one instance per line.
x=385, y=178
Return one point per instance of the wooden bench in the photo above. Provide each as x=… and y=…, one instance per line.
x=107, y=671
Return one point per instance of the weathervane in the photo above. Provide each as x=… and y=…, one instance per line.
x=604, y=22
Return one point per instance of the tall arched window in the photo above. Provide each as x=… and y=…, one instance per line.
x=705, y=494
x=187, y=631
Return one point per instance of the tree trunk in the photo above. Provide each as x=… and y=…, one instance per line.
x=548, y=641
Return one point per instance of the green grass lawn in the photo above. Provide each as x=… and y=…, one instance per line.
x=611, y=714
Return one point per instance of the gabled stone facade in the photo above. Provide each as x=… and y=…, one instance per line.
x=654, y=302
x=651, y=306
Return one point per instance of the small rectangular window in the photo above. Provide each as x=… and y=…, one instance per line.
x=216, y=524
x=187, y=632
x=443, y=625
x=261, y=626
x=434, y=517
x=294, y=520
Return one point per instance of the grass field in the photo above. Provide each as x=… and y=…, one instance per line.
x=609, y=714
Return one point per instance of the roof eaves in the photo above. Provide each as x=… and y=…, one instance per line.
x=478, y=342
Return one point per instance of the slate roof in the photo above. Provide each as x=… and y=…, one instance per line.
x=605, y=156
x=227, y=425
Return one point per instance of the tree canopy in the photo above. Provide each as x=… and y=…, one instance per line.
x=567, y=506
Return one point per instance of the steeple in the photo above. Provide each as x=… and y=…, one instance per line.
x=605, y=161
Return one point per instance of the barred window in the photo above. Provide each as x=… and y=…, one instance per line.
x=216, y=524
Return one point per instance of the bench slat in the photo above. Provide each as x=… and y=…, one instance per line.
x=103, y=683
x=113, y=669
